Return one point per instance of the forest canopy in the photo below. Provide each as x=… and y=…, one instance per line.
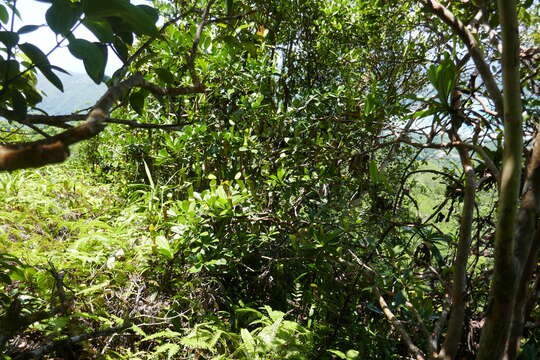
x=277, y=179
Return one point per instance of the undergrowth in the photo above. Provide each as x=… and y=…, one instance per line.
x=78, y=280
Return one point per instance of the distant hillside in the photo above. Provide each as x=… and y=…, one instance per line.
x=79, y=92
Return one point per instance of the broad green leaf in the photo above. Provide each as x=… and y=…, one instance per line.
x=150, y=11
x=165, y=75
x=28, y=28
x=94, y=56
x=164, y=248
x=42, y=63
x=9, y=38
x=35, y=54
x=19, y=106
x=136, y=100
x=101, y=28
x=121, y=48
x=8, y=69
x=62, y=16
x=137, y=17
x=4, y=16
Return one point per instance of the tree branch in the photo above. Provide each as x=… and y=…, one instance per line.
x=506, y=270
x=55, y=149
x=459, y=281
x=371, y=274
x=47, y=348
x=193, y=53
x=473, y=46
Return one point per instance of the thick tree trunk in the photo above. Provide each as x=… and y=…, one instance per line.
x=495, y=332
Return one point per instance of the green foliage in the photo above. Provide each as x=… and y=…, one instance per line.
x=269, y=336
x=286, y=199
x=113, y=23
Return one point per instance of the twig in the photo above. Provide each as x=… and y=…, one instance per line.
x=191, y=57
x=229, y=18
x=473, y=46
x=47, y=348
x=413, y=349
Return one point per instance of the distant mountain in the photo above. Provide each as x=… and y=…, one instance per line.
x=80, y=92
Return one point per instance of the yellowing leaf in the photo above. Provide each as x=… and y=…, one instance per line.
x=263, y=31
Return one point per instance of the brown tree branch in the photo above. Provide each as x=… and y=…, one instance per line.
x=195, y=46
x=55, y=149
x=413, y=349
x=62, y=121
x=459, y=282
x=396, y=323
x=473, y=46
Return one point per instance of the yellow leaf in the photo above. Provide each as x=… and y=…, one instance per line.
x=262, y=31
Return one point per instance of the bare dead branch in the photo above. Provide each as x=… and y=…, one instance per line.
x=396, y=323
x=413, y=349
x=47, y=348
x=422, y=325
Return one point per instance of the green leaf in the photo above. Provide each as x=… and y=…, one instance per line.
x=4, y=16
x=28, y=28
x=9, y=38
x=248, y=341
x=136, y=100
x=170, y=348
x=42, y=63
x=165, y=75
x=4, y=278
x=62, y=16
x=443, y=78
x=150, y=11
x=101, y=28
x=58, y=68
x=19, y=106
x=164, y=248
x=93, y=288
x=35, y=54
x=9, y=69
x=137, y=17
x=166, y=334
x=374, y=172
x=338, y=353
x=121, y=48
x=94, y=56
